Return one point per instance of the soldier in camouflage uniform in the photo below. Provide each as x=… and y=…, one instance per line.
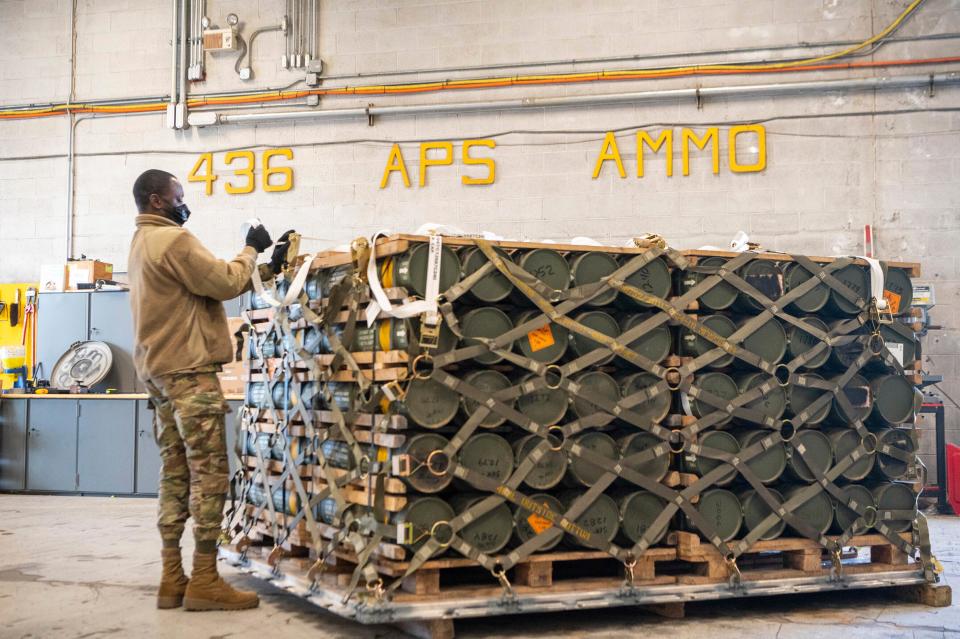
x=177, y=289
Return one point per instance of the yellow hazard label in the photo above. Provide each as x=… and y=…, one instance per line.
x=893, y=301
x=541, y=338
x=382, y=454
x=538, y=523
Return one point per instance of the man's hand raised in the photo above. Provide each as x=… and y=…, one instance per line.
x=258, y=238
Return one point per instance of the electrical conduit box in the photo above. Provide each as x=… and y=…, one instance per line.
x=220, y=39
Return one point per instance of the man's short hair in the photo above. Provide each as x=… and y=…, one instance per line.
x=150, y=181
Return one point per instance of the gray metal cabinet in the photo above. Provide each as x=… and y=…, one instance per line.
x=52, y=444
x=148, y=453
x=106, y=430
x=112, y=322
x=62, y=319
x=13, y=444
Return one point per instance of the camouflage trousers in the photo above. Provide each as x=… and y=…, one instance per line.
x=190, y=428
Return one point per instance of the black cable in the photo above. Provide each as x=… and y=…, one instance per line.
x=946, y=394
x=500, y=134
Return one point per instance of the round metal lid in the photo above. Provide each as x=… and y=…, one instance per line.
x=722, y=295
x=654, y=344
x=766, y=277
x=857, y=279
x=547, y=472
x=755, y=510
x=411, y=268
x=419, y=448
x=547, y=265
x=813, y=300
x=546, y=344
x=893, y=399
x=84, y=364
x=890, y=466
x=816, y=511
x=844, y=517
x=601, y=518
x=722, y=510
x=817, y=449
x=492, y=287
x=430, y=404
x=718, y=384
x=695, y=345
x=593, y=266
x=489, y=322
x=800, y=397
x=598, y=321
x=545, y=406
x=845, y=441
x=638, y=510
x=769, y=464
x=719, y=440
x=769, y=342
x=526, y=520
x=799, y=342
x=585, y=472
x=895, y=496
x=488, y=381
x=490, y=532
x=635, y=443
x=656, y=408
x=488, y=454
x=897, y=289
x=422, y=513
x=771, y=405
x=595, y=384
x=653, y=279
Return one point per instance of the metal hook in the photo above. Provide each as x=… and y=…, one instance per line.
x=504, y=582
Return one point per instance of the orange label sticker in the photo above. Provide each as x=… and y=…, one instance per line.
x=893, y=301
x=538, y=523
x=541, y=338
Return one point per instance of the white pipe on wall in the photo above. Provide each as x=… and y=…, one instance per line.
x=174, y=44
x=184, y=37
x=576, y=101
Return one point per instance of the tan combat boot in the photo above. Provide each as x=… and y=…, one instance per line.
x=173, y=583
x=207, y=591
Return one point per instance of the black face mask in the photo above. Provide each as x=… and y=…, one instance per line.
x=179, y=214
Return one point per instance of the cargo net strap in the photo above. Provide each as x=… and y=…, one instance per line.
x=364, y=529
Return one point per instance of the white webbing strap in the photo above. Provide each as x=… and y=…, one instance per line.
x=876, y=282
x=381, y=302
x=293, y=292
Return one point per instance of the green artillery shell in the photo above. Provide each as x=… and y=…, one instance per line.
x=284, y=500
x=857, y=279
x=813, y=300
x=547, y=472
x=334, y=276
x=264, y=442
x=857, y=392
x=718, y=384
x=845, y=441
x=843, y=355
x=723, y=512
x=635, y=443
x=902, y=343
x=655, y=408
x=546, y=344
x=488, y=454
x=269, y=348
x=601, y=518
x=638, y=510
x=590, y=267
x=286, y=394
x=293, y=310
x=490, y=382
x=492, y=287
x=772, y=404
x=844, y=518
x=654, y=344
x=594, y=385
x=313, y=287
x=598, y=321
x=302, y=448
x=311, y=395
x=256, y=302
x=528, y=524
x=769, y=342
x=315, y=340
x=489, y=322
x=769, y=464
x=799, y=342
x=488, y=533
x=897, y=289
x=547, y=265
x=653, y=279
x=419, y=448
x=384, y=335
x=766, y=277
x=418, y=518
x=895, y=496
x=327, y=510
x=895, y=399
x=338, y=454
x=445, y=343
x=257, y=395
x=717, y=440
x=429, y=403
x=800, y=397
x=545, y=406
x=344, y=395
x=816, y=512
x=755, y=510
x=817, y=455
x=584, y=473
x=409, y=269
x=721, y=296
x=693, y=345
x=888, y=466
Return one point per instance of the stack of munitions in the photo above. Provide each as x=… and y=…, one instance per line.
x=561, y=396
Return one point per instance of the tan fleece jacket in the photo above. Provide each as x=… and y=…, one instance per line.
x=176, y=292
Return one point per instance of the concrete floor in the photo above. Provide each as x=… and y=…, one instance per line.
x=86, y=567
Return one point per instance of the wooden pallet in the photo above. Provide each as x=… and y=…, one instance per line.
x=913, y=268
x=794, y=556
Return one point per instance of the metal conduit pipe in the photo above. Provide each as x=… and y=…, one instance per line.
x=184, y=37
x=575, y=101
x=174, y=39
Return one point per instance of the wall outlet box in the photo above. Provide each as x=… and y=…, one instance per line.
x=219, y=40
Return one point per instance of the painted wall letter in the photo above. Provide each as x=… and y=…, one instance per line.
x=609, y=151
x=643, y=138
x=688, y=135
x=426, y=161
x=488, y=162
x=395, y=163
x=761, y=162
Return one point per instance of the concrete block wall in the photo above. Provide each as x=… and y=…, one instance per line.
x=825, y=178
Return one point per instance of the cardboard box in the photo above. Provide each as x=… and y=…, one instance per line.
x=88, y=272
x=233, y=378
x=53, y=278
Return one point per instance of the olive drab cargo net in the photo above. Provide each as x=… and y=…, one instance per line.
x=330, y=399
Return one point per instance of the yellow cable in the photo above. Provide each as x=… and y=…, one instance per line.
x=467, y=82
